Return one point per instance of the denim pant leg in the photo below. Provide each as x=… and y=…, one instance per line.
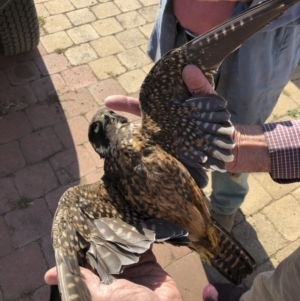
x=228, y=191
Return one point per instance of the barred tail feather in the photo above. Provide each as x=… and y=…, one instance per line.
x=233, y=261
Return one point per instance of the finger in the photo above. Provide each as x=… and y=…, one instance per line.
x=51, y=276
x=195, y=81
x=123, y=103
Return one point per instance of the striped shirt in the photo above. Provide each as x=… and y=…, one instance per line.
x=283, y=139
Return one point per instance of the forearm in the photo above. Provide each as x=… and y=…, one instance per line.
x=273, y=148
x=251, y=152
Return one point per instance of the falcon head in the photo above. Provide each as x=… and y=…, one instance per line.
x=103, y=128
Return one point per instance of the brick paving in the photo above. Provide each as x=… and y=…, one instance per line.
x=88, y=51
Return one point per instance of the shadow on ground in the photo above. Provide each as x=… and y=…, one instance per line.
x=38, y=163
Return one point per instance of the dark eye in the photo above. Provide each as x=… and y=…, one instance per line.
x=96, y=128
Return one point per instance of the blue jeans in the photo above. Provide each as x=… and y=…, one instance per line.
x=228, y=191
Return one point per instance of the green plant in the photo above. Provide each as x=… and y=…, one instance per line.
x=293, y=113
x=4, y=109
x=22, y=203
x=285, y=92
x=59, y=50
x=41, y=20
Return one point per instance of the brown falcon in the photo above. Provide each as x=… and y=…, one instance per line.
x=147, y=194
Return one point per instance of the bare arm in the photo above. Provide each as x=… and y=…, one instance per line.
x=251, y=152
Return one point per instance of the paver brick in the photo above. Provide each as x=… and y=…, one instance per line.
x=4, y=82
x=81, y=54
x=8, y=194
x=296, y=194
x=149, y=13
x=32, y=54
x=83, y=166
x=6, y=61
x=81, y=16
x=83, y=3
x=281, y=212
x=49, y=88
x=131, y=19
x=64, y=159
x=47, y=249
x=103, y=89
x=79, y=102
x=44, y=114
x=147, y=68
x=189, y=277
x=105, y=10
x=287, y=251
x=42, y=293
x=52, y=63
x=18, y=97
x=260, y=238
x=55, y=7
x=274, y=189
x=107, y=26
x=30, y=223
x=284, y=104
x=95, y=156
x=149, y=2
x=147, y=29
x=93, y=177
x=22, y=271
x=79, y=77
x=256, y=199
x=128, y=5
x=56, y=41
x=57, y=23
x=72, y=132
x=107, y=46
x=133, y=58
x=131, y=38
x=41, y=10
x=35, y=180
x=132, y=80
x=6, y=243
x=82, y=34
x=22, y=73
x=293, y=91
x=14, y=126
x=64, y=176
x=40, y=145
x=107, y=67
x=163, y=254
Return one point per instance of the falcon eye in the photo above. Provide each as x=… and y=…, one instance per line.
x=96, y=127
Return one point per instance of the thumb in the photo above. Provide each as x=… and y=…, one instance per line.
x=195, y=81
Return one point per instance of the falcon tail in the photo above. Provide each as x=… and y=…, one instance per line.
x=233, y=261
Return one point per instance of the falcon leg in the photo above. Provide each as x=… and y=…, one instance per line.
x=213, y=236
x=204, y=254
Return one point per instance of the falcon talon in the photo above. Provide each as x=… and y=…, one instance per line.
x=111, y=223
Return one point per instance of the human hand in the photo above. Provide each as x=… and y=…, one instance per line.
x=145, y=280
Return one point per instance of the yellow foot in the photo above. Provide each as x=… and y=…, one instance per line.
x=204, y=254
x=212, y=236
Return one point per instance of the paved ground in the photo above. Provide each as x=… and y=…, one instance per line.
x=91, y=49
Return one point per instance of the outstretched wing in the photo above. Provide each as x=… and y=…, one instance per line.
x=165, y=114
x=94, y=224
